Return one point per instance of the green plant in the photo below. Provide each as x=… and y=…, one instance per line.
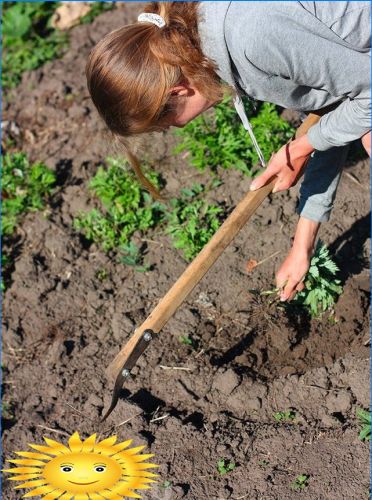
x=29, y=40
x=125, y=208
x=321, y=287
x=188, y=341
x=192, y=221
x=219, y=139
x=25, y=187
x=284, y=416
x=131, y=256
x=301, y=482
x=365, y=421
x=101, y=274
x=224, y=466
x=166, y=484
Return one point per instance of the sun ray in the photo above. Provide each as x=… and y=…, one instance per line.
x=134, y=451
x=66, y=496
x=26, y=461
x=88, y=444
x=46, y=449
x=31, y=484
x=53, y=495
x=75, y=443
x=32, y=454
x=142, y=458
x=97, y=496
x=56, y=445
x=24, y=477
x=81, y=496
x=121, y=446
x=23, y=470
x=41, y=490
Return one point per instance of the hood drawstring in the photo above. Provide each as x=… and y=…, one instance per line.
x=238, y=103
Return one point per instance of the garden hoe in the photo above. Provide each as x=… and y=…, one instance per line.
x=119, y=369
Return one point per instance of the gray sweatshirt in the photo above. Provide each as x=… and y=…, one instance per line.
x=303, y=56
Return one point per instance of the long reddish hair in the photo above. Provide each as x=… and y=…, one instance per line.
x=131, y=70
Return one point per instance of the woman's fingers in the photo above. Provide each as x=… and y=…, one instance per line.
x=289, y=289
x=263, y=179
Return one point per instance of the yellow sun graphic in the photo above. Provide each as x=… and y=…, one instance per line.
x=83, y=470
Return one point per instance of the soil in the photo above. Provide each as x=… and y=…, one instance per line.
x=62, y=325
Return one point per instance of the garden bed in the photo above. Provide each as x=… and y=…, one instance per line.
x=70, y=307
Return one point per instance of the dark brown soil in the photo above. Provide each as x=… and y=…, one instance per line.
x=63, y=326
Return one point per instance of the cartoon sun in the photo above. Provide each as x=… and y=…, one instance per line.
x=86, y=470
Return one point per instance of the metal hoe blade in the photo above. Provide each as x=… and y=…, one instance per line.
x=124, y=373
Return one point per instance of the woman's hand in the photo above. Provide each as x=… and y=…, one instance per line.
x=290, y=276
x=292, y=272
x=287, y=164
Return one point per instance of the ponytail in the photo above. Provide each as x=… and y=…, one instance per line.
x=131, y=71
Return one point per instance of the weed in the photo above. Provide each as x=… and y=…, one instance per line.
x=219, y=139
x=321, y=288
x=28, y=39
x=264, y=463
x=101, y=274
x=166, y=484
x=24, y=188
x=131, y=256
x=284, y=416
x=192, y=221
x=224, y=466
x=365, y=421
x=188, y=341
x=301, y=482
x=126, y=208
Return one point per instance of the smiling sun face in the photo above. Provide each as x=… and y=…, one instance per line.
x=83, y=473
x=98, y=469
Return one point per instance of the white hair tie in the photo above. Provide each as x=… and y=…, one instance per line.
x=147, y=17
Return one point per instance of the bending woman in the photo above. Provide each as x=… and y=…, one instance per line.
x=179, y=58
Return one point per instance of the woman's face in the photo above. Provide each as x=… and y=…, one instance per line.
x=187, y=104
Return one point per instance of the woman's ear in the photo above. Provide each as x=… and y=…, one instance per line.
x=183, y=89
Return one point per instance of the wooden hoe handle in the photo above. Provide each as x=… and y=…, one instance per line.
x=168, y=305
x=194, y=273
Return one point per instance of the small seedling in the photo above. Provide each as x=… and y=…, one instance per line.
x=301, y=482
x=365, y=421
x=101, y=274
x=166, y=484
x=224, y=466
x=131, y=256
x=284, y=416
x=264, y=463
x=187, y=340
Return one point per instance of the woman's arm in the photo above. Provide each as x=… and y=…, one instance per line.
x=317, y=194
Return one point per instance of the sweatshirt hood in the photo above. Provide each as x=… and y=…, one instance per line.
x=211, y=29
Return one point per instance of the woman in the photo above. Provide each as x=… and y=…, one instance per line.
x=180, y=57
